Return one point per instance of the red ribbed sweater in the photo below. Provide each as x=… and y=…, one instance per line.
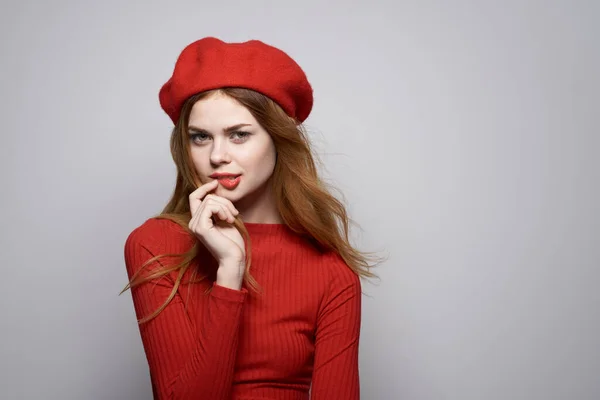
x=302, y=330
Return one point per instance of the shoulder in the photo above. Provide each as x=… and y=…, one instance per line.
x=158, y=235
x=342, y=289
x=338, y=275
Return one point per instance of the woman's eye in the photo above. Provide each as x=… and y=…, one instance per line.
x=238, y=136
x=241, y=135
x=198, y=137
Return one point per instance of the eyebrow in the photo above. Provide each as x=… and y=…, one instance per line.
x=232, y=128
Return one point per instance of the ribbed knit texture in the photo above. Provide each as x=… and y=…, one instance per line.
x=304, y=327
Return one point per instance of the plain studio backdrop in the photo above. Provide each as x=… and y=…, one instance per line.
x=463, y=135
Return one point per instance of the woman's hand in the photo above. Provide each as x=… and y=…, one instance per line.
x=212, y=219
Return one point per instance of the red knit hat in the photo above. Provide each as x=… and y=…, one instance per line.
x=211, y=63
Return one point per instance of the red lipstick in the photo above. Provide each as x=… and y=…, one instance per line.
x=230, y=183
x=227, y=180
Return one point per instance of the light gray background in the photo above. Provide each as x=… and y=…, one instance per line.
x=464, y=136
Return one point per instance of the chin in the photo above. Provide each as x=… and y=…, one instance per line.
x=231, y=195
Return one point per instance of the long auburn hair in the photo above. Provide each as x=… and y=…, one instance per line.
x=314, y=212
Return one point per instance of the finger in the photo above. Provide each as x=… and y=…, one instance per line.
x=205, y=220
x=226, y=202
x=214, y=208
x=194, y=220
x=225, y=213
x=195, y=198
x=196, y=213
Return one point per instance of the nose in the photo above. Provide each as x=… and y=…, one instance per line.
x=219, y=153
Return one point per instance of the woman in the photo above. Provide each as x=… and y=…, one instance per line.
x=246, y=285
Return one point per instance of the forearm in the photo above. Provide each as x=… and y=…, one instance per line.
x=208, y=374
x=211, y=367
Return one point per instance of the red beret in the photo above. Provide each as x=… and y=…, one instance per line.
x=211, y=63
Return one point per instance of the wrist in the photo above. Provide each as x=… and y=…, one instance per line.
x=229, y=281
x=231, y=274
x=233, y=265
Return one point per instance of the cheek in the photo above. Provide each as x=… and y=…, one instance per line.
x=263, y=162
x=200, y=162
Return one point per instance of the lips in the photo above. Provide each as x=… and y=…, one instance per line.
x=219, y=175
x=229, y=182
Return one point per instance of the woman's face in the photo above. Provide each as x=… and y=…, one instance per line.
x=226, y=138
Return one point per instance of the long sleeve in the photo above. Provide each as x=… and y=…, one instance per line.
x=335, y=374
x=186, y=360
